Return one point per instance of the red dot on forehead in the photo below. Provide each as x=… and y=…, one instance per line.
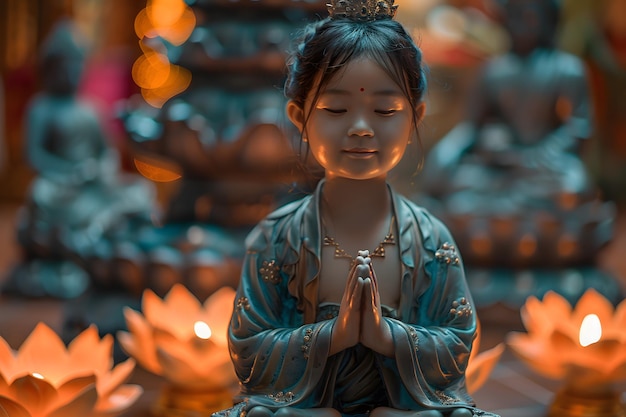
x=362, y=89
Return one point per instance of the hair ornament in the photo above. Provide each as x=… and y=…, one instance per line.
x=362, y=10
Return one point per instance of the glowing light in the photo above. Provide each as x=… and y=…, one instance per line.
x=202, y=330
x=590, y=330
x=37, y=375
x=165, y=12
x=151, y=70
x=157, y=171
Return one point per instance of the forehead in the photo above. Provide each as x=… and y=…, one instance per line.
x=362, y=75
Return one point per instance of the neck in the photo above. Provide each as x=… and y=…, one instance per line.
x=354, y=203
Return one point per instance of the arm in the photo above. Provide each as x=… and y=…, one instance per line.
x=276, y=355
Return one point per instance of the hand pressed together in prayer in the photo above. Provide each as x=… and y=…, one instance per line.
x=360, y=317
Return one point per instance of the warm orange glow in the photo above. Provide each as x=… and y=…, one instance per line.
x=177, y=82
x=527, y=245
x=179, y=31
x=481, y=244
x=151, y=70
x=202, y=330
x=582, y=344
x=158, y=171
x=567, y=245
x=174, y=21
x=165, y=338
x=165, y=12
x=45, y=378
x=590, y=330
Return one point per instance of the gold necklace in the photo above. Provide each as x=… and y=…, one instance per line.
x=379, y=251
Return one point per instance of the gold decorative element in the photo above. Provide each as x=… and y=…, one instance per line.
x=307, y=342
x=282, y=397
x=414, y=339
x=270, y=272
x=445, y=398
x=461, y=308
x=447, y=254
x=362, y=10
x=379, y=251
x=243, y=303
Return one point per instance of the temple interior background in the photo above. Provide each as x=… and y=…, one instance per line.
x=188, y=147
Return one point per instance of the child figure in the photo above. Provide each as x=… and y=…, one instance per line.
x=353, y=300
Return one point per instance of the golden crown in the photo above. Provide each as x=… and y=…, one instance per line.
x=364, y=10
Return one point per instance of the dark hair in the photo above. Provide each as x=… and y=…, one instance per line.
x=325, y=47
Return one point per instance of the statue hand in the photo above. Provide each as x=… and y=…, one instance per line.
x=345, y=332
x=375, y=331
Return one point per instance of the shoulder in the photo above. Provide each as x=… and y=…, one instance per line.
x=276, y=224
x=431, y=226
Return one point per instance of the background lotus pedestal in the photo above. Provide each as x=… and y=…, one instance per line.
x=584, y=347
x=185, y=342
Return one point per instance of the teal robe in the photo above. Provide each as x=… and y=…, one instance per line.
x=280, y=342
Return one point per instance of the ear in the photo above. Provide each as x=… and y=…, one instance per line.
x=295, y=113
x=420, y=111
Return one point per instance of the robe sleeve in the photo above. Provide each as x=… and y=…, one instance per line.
x=433, y=345
x=270, y=344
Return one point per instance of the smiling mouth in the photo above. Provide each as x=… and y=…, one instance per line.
x=360, y=152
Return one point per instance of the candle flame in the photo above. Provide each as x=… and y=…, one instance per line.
x=202, y=330
x=590, y=330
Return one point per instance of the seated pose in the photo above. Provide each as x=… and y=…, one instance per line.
x=353, y=301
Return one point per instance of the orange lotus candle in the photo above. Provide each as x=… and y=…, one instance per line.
x=43, y=378
x=184, y=341
x=583, y=346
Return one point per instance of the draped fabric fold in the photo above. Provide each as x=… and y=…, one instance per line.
x=280, y=335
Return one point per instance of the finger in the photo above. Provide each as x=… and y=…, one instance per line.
x=357, y=293
x=374, y=278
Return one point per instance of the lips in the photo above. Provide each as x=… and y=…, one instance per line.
x=360, y=151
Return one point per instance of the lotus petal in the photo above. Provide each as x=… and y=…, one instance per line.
x=35, y=394
x=44, y=351
x=81, y=405
x=535, y=317
x=88, y=351
x=117, y=377
x=119, y=400
x=71, y=389
x=9, y=408
x=592, y=302
x=138, y=342
x=7, y=360
x=480, y=367
x=219, y=307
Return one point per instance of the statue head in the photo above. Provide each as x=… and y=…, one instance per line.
x=531, y=23
x=61, y=60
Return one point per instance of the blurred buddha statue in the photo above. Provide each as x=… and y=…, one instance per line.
x=509, y=179
x=79, y=202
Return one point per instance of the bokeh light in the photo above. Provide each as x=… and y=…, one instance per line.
x=172, y=21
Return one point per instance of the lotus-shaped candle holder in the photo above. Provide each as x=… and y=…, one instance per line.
x=583, y=346
x=185, y=342
x=44, y=378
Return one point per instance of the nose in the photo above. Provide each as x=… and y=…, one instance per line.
x=360, y=127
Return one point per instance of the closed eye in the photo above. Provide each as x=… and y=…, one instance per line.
x=386, y=112
x=335, y=111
